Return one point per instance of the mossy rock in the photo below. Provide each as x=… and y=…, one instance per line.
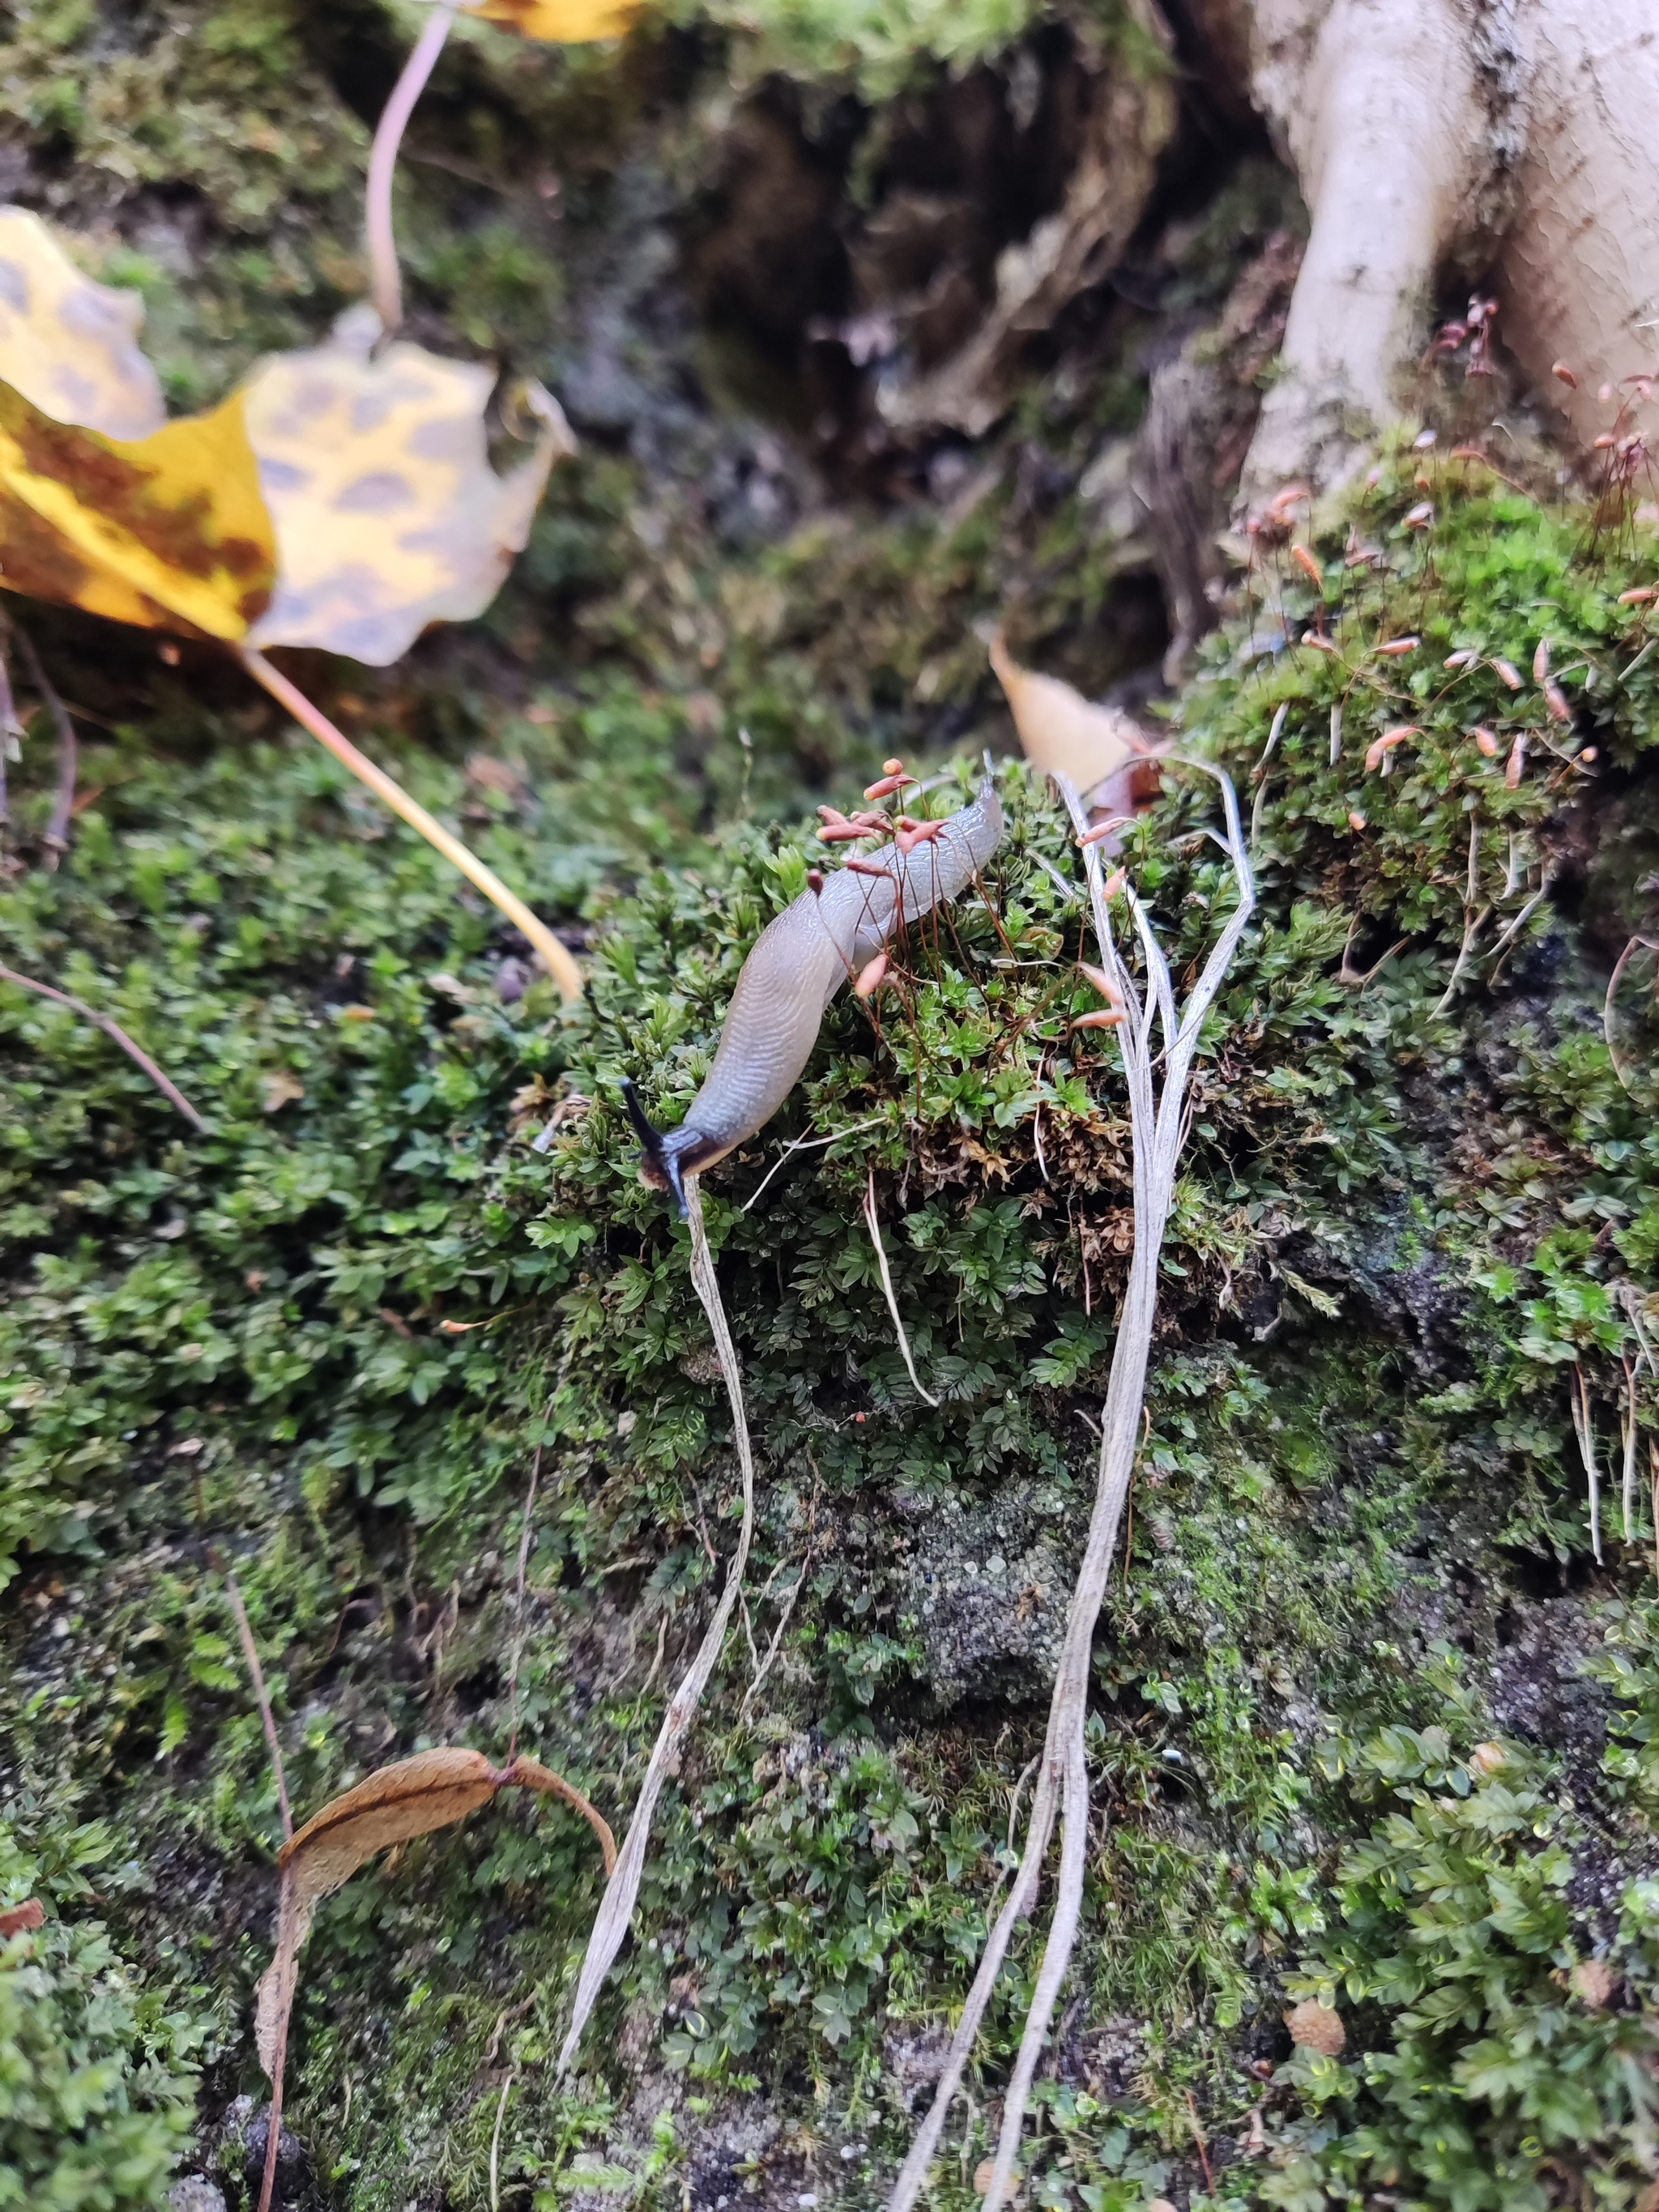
x=1371, y=1720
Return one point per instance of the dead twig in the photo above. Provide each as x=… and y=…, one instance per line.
x=111, y=1028
x=250, y=1652
x=55, y=837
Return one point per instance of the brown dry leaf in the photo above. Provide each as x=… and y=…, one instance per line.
x=167, y=531
x=1315, y=2027
x=388, y=515
x=412, y=1797
x=17, y=1919
x=434, y=1789
x=1062, y=732
x=1593, y=1980
x=534, y=1775
x=568, y=23
x=281, y=1088
x=70, y=346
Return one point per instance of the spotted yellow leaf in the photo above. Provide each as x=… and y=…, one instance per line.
x=70, y=346
x=388, y=514
x=569, y=22
x=168, y=530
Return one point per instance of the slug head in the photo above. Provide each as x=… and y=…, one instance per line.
x=668, y=1156
x=659, y=1166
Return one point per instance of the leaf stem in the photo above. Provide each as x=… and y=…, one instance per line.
x=384, y=288
x=554, y=957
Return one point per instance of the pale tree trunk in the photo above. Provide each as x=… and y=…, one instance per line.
x=1520, y=138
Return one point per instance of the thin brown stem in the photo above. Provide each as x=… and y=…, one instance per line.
x=10, y=728
x=56, y=835
x=261, y=1697
x=137, y=1054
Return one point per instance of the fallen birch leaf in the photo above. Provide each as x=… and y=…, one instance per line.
x=70, y=346
x=167, y=531
x=1060, y=732
x=387, y=513
x=434, y=1789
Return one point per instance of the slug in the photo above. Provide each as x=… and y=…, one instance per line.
x=800, y=960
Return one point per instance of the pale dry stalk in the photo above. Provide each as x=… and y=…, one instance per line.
x=386, y=287
x=1158, y=1122
x=873, y=1221
x=1584, y=1430
x=262, y=1696
x=622, y=1890
x=1627, y=1490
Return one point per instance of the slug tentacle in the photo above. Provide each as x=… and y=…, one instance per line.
x=800, y=960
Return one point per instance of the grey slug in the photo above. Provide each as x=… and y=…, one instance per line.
x=800, y=960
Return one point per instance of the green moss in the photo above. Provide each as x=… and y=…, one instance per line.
x=360, y=1308
x=327, y=1341
x=97, y=2075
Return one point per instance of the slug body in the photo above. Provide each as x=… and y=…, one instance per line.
x=799, y=961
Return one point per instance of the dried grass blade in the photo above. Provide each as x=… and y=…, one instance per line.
x=1159, y=1123
x=622, y=1891
x=888, y=1291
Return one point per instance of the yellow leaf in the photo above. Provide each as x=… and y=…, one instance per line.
x=168, y=530
x=70, y=346
x=571, y=22
x=388, y=515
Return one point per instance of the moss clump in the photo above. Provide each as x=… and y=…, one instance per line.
x=337, y=1329
x=97, y=2074
x=328, y=1341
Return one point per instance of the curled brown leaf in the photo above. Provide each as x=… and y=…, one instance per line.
x=412, y=1797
